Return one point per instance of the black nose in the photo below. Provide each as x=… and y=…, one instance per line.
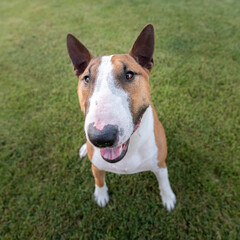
x=106, y=137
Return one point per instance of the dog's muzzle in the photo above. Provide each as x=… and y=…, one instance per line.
x=106, y=139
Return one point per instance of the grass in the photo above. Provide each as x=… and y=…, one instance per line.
x=46, y=191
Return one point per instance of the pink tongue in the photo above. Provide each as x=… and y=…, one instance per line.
x=111, y=153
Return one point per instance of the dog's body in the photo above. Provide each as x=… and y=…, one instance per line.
x=123, y=132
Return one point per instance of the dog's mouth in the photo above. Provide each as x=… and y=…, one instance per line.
x=115, y=154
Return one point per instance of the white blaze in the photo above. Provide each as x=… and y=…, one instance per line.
x=109, y=103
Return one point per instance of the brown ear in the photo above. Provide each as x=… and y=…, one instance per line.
x=143, y=48
x=78, y=53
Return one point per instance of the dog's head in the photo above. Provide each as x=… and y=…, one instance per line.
x=113, y=92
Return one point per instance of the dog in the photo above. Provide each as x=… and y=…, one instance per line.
x=123, y=132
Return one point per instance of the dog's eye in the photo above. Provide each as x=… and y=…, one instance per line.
x=86, y=79
x=129, y=75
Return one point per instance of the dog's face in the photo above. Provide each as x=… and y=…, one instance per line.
x=113, y=92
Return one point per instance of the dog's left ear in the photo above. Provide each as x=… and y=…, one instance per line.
x=143, y=48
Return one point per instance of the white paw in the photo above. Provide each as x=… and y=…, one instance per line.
x=83, y=150
x=168, y=199
x=101, y=195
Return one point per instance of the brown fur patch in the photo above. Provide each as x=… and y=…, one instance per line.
x=90, y=150
x=98, y=176
x=85, y=91
x=138, y=88
x=160, y=139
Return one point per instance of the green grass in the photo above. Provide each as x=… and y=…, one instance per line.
x=46, y=191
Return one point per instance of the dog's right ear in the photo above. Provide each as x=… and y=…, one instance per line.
x=79, y=54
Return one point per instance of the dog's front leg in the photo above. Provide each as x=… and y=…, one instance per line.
x=168, y=197
x=101, y=190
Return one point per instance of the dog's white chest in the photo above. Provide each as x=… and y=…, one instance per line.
x=142, y=150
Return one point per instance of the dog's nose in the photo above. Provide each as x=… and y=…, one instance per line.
x=106, y=137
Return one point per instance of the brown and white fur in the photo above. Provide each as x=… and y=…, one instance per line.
x=123, y=132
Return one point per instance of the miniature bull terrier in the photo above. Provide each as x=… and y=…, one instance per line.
x=122, y=129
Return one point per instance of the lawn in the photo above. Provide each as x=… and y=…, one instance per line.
x=46, y=190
